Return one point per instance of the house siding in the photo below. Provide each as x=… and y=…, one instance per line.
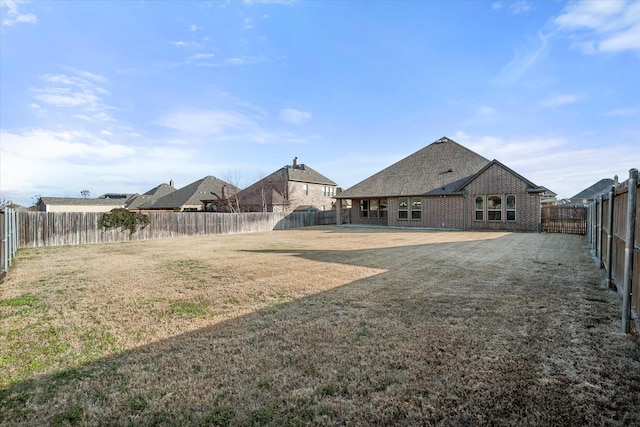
x=499, y=181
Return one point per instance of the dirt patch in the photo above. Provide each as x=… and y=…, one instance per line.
x=318, y=326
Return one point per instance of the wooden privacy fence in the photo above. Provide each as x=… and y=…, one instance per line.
x=564, y=219
x=615, y=239
x=79, y=228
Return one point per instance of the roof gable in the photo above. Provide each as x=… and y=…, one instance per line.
x=531, y=186
x=439, y=168
x=147, y=199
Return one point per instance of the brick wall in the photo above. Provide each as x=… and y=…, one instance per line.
x=498, y=181
x=458, y=211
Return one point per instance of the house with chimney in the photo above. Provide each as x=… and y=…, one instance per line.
x=446, y=185
x=296, y=187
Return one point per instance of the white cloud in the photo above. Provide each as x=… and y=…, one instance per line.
x=202, y=56
x=195, y=27
x=40, y=161
x=624, y=112
x=62, y=90
x=559, y=100
x=524, y=58
x=291, y=115
x=561, y=164
x=245, y=125
x=14, y=15
x=205, y=122
x=515, y=7
x=602, y=26
x=485, y=110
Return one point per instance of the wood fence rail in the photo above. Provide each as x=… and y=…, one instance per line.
x=615, y=240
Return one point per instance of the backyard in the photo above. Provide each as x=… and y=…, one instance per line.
x=317, y=326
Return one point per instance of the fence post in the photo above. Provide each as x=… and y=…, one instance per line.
x=599, y=249
x=610, y=237
x=628, y=250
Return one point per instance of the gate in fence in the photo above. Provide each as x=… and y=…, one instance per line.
x=564, y=219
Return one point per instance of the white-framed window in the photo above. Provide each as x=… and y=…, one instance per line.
x=479, y=208
x=328, y=191
x=305, y=189
x=403, y=208
x=511, y=207
x=416, y=208
x=494, y=208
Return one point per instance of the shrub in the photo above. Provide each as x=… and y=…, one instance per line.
x=124, y=219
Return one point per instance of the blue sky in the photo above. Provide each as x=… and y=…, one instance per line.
x=120, y=96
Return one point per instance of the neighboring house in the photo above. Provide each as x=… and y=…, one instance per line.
x=287, y=189
x=448, y=186
x=208, y=193
x=143, y=201
x=548, y=198
x=73, y=204
x=589, y=194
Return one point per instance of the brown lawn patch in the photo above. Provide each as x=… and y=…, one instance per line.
x=318, y=326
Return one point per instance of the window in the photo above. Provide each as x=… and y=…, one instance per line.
x=416, y=208
x=373, y=208
x=383, y=208
x=403, y=208
x=479, y=208
x=511, y=207
x=327, y=191
x=494, y=208
x=364, y=209
x=305, y=189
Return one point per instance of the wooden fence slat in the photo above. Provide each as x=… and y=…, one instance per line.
x=79, y=228
x=564, y=219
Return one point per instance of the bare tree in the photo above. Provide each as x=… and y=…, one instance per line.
x=233, y=177
x=85, y=193
x=35, y=199
x=4, y=202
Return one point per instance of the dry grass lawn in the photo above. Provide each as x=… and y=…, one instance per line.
x=318, y=326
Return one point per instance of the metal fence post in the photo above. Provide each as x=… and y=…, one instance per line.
x=628, y=250
x=610, y=237
x=600, y=212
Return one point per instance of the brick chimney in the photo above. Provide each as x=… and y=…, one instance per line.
x=295, y=162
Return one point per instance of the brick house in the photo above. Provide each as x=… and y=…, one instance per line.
x=290, y=188
x=445, y=185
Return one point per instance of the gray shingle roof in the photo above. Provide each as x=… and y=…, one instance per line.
x=142, y=201
x=303, y=173
x=592, y=192
x=439, y=168
x=77, y=201
x=207, y=188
